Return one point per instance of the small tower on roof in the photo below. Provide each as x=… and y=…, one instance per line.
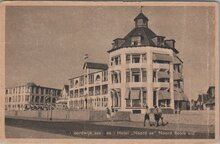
x=141, y=20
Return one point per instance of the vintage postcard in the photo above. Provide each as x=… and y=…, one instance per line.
x=112, y=72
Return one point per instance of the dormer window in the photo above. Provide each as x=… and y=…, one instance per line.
x=136, y=40
x=158, y=41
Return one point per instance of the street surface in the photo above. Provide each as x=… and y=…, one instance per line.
x=18, y=128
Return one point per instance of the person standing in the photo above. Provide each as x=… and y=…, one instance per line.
x=160, y=116
x=147, y=115
x=156, y=116
x=108, y=113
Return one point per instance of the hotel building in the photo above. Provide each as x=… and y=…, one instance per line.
x=30, y=97
x=144, y=69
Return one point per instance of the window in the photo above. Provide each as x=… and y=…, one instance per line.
x=26, y=98
x=91, y=78
x=97, y=90
x=81, y=81
x=71, y=94
x=128, y=58
x=136, y=40
x=104, y=89
x=37, y=90
x=91, y=91
x=42, y=91
x=144, y=58
x=144, y=75
x=116, y=77
x=37, y=99
x=136, y=76
x=154, y=76
x=98, y=78
x=144, y=93
x=81, y=92
x=76, y=93
x=128, y=77
x=47, y=91
x=76, y=83
x=116, y=60
x=136, y=103
x=135, y=58
x=154, y=97
x=105, y=76
x=42, y=99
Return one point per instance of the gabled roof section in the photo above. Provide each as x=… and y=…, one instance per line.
x=141, y=16
x=92, y=65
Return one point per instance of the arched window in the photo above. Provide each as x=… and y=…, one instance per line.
x=98, y=78
x=76, y=83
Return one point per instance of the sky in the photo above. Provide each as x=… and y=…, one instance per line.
x=46, y=45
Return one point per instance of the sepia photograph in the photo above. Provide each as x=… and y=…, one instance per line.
x=120, y=71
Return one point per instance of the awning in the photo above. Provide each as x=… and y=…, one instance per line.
x=127, y=94
x=162, y=74
x=135, y=94
x=162, y=57
x=163, y=94
x=180, y=96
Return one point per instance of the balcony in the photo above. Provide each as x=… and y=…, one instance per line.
x=160, y=84
x=161, y=66
x=136, y=65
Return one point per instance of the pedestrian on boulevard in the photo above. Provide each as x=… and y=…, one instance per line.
x=112, y=113
x=160, y=115
x=156, y=116
x=108, y=113
x=147, y=115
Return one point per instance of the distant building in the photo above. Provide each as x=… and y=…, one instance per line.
x=62, y=101
x=144, y=69
x=210, y=104
x=30, y=97
x=90, y=90
x=206, y=100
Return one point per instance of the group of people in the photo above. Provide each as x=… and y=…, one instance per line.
x=157, y=113
x=155, y=120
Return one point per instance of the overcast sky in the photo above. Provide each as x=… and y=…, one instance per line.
x=46, y=45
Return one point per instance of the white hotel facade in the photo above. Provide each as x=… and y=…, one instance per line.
x=30, y=97
x=143, y=69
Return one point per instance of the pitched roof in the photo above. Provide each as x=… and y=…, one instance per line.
x=92, y=65
x=66, y=87
x=145, y=33
x=141, y=16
